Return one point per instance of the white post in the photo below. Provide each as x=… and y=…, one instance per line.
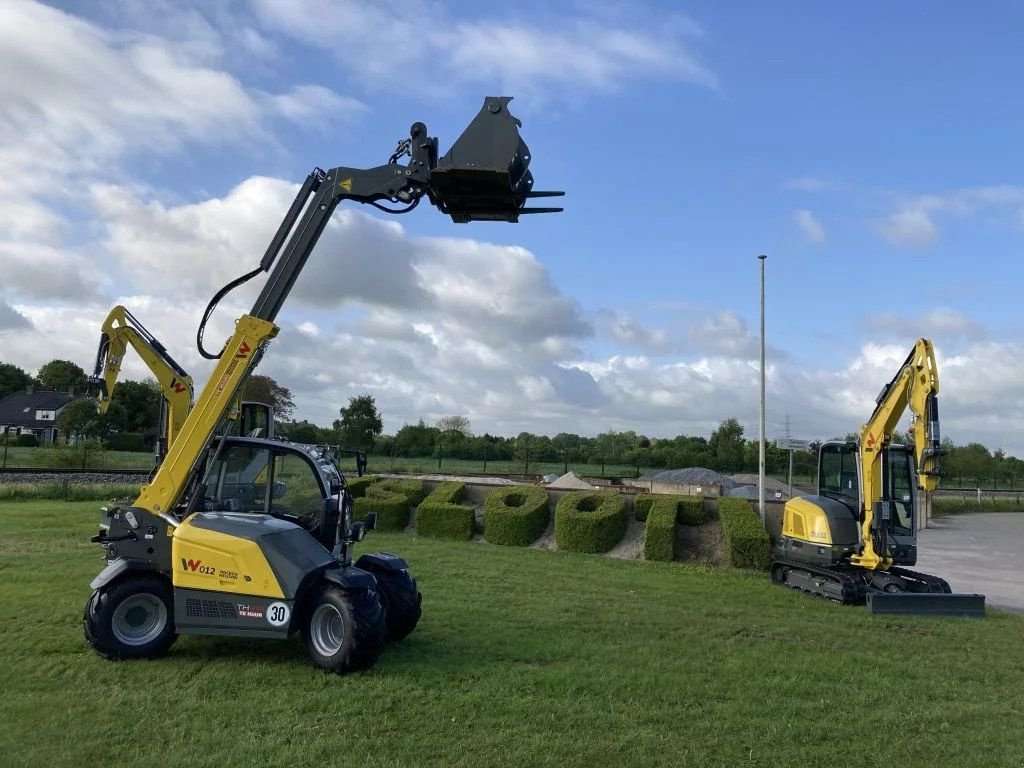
x=761, y=449
x=791, y=473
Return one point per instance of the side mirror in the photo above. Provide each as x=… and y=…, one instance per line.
x=370, y=521
x=335, y=486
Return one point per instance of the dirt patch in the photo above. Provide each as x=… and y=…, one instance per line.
x=632, y=545
x=547, y=539
x=701, y=543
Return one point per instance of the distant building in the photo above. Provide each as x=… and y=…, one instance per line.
x=33, y=413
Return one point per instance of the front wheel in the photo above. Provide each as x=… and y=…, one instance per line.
x=344, y=631
x=402, y=602
x=131, y=619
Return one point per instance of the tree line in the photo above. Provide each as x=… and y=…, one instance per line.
x=135, y=411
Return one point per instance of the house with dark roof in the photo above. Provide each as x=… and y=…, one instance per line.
x=33, y=413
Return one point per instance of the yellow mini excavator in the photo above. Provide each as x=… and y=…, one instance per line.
x=120, y=330
x=252, y=537
x=851, y=541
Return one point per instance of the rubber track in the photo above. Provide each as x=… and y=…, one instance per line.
x=854, y=590
x=932, y=583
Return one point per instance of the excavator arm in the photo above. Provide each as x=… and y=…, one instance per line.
x=120, y=330
x=915, y=386
x=484, y=176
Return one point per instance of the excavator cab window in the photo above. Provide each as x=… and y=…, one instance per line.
x=901, y=491
x=837, y=472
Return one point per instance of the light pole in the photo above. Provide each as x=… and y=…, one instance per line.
x=761, y=452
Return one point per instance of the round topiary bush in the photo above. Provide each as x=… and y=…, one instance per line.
x=590, y=521
x=515, y=515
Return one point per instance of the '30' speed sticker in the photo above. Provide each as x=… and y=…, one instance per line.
x=278, y=614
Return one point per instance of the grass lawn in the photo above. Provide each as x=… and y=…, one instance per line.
x=523, y=658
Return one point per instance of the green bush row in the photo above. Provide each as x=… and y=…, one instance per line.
x=357, y=485
x=516, y=515
x=412, y=489
x=590, y=521
x=67, y=491
x=391, y=499
x=440, y=516
x=689, y=510
x=746, y=542
x=660, y=533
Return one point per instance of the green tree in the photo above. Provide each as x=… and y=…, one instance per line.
x=414, y=440
x=12, y=379
x=727, y=446
x=300, y=432
x=138, y=407
x=458, y=424
x=61, y=375
x=80, y=419
x=360, y=423
x=263, y=389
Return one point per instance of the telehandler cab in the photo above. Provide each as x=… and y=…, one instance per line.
x=253, y=537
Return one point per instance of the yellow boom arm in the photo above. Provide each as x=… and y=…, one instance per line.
x=120, y=330
x=240, y=356
x=916, y=386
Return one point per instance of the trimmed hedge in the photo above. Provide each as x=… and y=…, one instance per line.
x=516, y=515
x=440, y=515
x=411, y=489
x=357, y=485
x=689, y=510
x=662, y=512
x=660, y=535
x=448, y=492
x=589, y=521
x=391, y=499
x=392, y=510
x=746, y=542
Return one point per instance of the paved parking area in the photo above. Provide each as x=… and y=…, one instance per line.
x=977, y=553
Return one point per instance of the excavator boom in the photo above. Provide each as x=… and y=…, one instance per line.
x=915, y=386
x=120, y=330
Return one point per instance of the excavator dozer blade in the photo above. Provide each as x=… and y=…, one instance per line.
x=927, y=604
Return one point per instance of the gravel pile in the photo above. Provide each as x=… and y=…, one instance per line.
x=73, y=478
x=692, y=476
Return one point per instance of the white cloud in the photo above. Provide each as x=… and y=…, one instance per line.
x=693, y=330
x=809, y=225
x=913, y=223
x=939, y=325
x=11, y=319
x=79, y=99
x=405, y=41
x=911, y=227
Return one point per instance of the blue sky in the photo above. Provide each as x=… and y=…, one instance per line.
x=870, y=150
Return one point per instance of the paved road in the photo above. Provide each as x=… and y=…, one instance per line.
x=978, y=553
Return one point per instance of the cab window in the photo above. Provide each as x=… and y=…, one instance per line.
x=297, y=490
x=239, y=479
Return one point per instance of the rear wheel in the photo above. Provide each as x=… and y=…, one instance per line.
x=344, y=631
x=131, y=619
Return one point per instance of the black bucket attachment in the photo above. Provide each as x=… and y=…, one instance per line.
x=485, y=174
x=926, y=604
